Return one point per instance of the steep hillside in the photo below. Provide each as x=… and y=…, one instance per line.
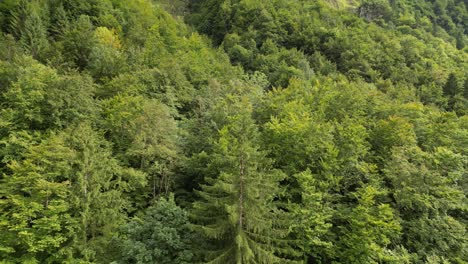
x=233, y=131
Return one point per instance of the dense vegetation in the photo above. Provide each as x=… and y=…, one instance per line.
x=233, y=131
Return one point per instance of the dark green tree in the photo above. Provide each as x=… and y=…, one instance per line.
x=31, y=29
x=78, y=41
x=161, y=235
x=450, y=90
x=451, y=85
x=236, y=211
x=465, y=89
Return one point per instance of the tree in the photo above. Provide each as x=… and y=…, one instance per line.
x=371, y=228
x=78, y=41
x=387, y=134
x=236, y=211
x=98, y=185
x=428, y=191
x=465, y=89
x=41, y=99
x=36, y=222
x=451, y=85
x=106, y=59
x=34, y=35
x=161, y=235
x=144, y=135
x=65, y=200
x=313, y=215
x=28, y=26
x=375, y=9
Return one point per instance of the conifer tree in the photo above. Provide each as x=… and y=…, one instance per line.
x=465, y=89
x=34, y=35
x=237, y=210
x=450, y=89
x=27, y=25
x=97, y=186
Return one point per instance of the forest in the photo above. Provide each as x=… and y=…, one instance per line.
x=234, y=131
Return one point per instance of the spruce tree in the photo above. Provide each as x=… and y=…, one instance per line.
x=450, y=89
x=465, y=89
x=237, y=211
x=34, y=35
x=97, y=185
x=28, y=26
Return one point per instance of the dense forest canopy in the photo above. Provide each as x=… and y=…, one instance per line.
x=233, y=131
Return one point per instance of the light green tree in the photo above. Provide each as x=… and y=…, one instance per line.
x=36, y=222
x=370, y=229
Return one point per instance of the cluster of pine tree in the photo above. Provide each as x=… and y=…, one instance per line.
x=233, y=131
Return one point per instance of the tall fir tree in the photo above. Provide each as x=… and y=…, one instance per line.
x=97, y=185
x=450, y=90
x=237, y=211
x=34, y=35
x=28, y=26
x=465, y=89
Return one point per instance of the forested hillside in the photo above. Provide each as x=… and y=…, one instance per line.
x=233, y=131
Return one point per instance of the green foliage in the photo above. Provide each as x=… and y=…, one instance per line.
x=372, y=10
x=372, y=227
x=465, y=89
x=32, y=30
x=97, y=192
x=427, y=195
x=451, y=89
x=37, y=223
x=314, y=214
x=144, y=136
x=64, y=199
x=445, y=19
x=78, y=41
x=40, y=98
x=106, y=59
x=237, y=212
x=161, y=235
x=284, y=34
x=326, y=131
